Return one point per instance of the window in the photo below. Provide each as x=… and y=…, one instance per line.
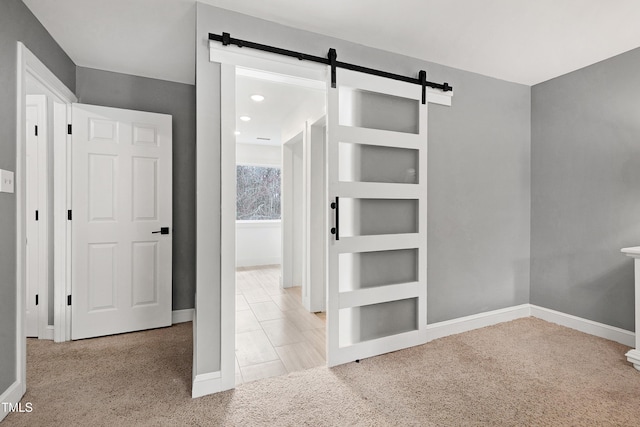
x=258, y=193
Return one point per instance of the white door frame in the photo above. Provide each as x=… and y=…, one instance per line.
x=29, y=65
x=288, y=219
x=314, y=297
x=312, y=139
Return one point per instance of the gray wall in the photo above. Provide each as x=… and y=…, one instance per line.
x=109, y=89
x=585, y=200
x=17, y=23
x=479, y=197
x=479, y=172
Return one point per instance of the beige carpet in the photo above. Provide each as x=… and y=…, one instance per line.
x=522, y=373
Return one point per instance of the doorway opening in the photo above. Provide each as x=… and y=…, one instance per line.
x=372, y=215
x=280, y=282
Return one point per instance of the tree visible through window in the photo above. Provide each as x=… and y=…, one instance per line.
x=258, y=193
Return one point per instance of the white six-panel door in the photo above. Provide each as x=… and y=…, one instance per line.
x=121, y=198
x=377, y=173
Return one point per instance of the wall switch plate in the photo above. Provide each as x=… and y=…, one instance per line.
x=6, y=181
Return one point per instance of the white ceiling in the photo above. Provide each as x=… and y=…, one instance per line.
x=269, y=117
x=524, y=41
x=149, y=38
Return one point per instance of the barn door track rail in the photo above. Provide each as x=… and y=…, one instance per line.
x=331, y=60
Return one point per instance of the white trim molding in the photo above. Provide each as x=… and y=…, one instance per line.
x=584, y=325
x=182, y=316
x=12, y=395
x=481, y=320
x=633, y=356
x=205, y=384
x=253, y=262
x=48, y=333
x=476, y=321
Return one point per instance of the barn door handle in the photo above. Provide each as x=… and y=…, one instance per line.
x=336, y=230
x=163, y=230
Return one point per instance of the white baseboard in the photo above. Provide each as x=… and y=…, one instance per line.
x=584, y=325
x=469, y=323
x=476, y=321
x=48, y=333
x=633, y=356
x=12, y=395
x=251, y=262
x=181, y=316
x=205, y=384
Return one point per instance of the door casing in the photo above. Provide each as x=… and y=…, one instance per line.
x=29, y=66
x=313, y=147
x=287, y=278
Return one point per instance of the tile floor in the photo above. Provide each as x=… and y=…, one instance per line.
x=274, y=333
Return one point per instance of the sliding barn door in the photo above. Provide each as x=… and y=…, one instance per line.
x=121, y=224
x=377, y=260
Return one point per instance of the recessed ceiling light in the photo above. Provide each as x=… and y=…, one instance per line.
x=257, y=98
x=237, y=132
x=245, y=118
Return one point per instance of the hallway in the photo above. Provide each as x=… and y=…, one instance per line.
x=275, y=335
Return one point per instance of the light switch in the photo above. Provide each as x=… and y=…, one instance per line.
x=6, y=181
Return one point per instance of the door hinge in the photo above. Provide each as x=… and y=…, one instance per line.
x=69, y=215
x=36, y=215
x=36, y=130
x=69, y=129
x=68, y=299
x=36, y=299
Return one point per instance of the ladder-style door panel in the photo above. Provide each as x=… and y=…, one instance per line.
x=377, y=148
